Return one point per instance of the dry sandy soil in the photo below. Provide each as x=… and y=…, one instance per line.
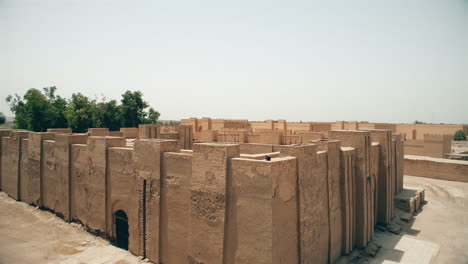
x=30, y=235
x=438, y=234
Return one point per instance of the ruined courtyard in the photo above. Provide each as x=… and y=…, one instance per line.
x=234, y=191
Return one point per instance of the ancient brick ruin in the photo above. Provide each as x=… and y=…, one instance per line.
x=154, y=191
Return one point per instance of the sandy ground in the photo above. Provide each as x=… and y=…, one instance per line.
x=444, y=219
x=438, y=234
x=30, y=235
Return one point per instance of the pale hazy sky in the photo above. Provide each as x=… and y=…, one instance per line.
x=387, y=61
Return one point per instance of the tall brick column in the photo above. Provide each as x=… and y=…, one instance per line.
x=32, y=193
x=210, y=174
x=3, y=133
x=11, y=163
x=262, y=213
x=313, y=203
x=360, y=141
x=62, y=153
x=148, y=158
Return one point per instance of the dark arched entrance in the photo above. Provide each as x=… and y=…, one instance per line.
x=121, y=229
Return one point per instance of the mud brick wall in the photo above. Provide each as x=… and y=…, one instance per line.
x=321, y=237
x=3, y=133
x=441, y=169
x=31, y=192
x=185, y=136
x=252, y=148
x=60, y=130
x=360, y=141
x=348, y=198
x=374, y=174
x=6, y=165
x=266, y=137
x=175, y=194
x=62, y=154
x=333, y=148
x=312, y=201
x=123, y=194
x=148, y=159
x=50, y=195
x=129, y=132
x=23, y=170
x=210, y=174
x=80, y=172
x=11, y=158
x=262, y=216
x=385, y=176
x=101, y=132
x=400, y=162
x=89, y=169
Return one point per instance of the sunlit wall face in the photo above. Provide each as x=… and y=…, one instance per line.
x=383, y=61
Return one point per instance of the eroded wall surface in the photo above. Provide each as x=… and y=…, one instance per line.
x=361, y=142
x=208, y=200
x=23, y=179
x=175, y=194
x=262, y=218
x=31, y=192
x=303, y=204
x=3, y=152
x=124, y=194
x=11, y=163
x=441, y=169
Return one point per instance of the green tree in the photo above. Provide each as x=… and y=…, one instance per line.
x=133, y=110
x=79, y=113
x=459, y=135
x=419, y=122
x=107, y=114
x=35, y=111
x=153, y=116
x=2, y=118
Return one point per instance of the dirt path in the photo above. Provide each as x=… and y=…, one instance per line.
x=30, y=235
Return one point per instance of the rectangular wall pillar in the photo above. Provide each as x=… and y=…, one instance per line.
x=360, y=141
x=347, y=198
x=185, y=136
x=23, y=170
x=62, y=153
x=3, y=133
x=313, y=202
x=263, y=215
x=11, y=163
x=148, y=155
x=333, y=148
x=175, y=194
x=31, y=193
x=210, y=174
x=385, y=176
x=399, y=162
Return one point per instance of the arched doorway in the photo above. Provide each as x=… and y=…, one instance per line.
x=121, y=229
